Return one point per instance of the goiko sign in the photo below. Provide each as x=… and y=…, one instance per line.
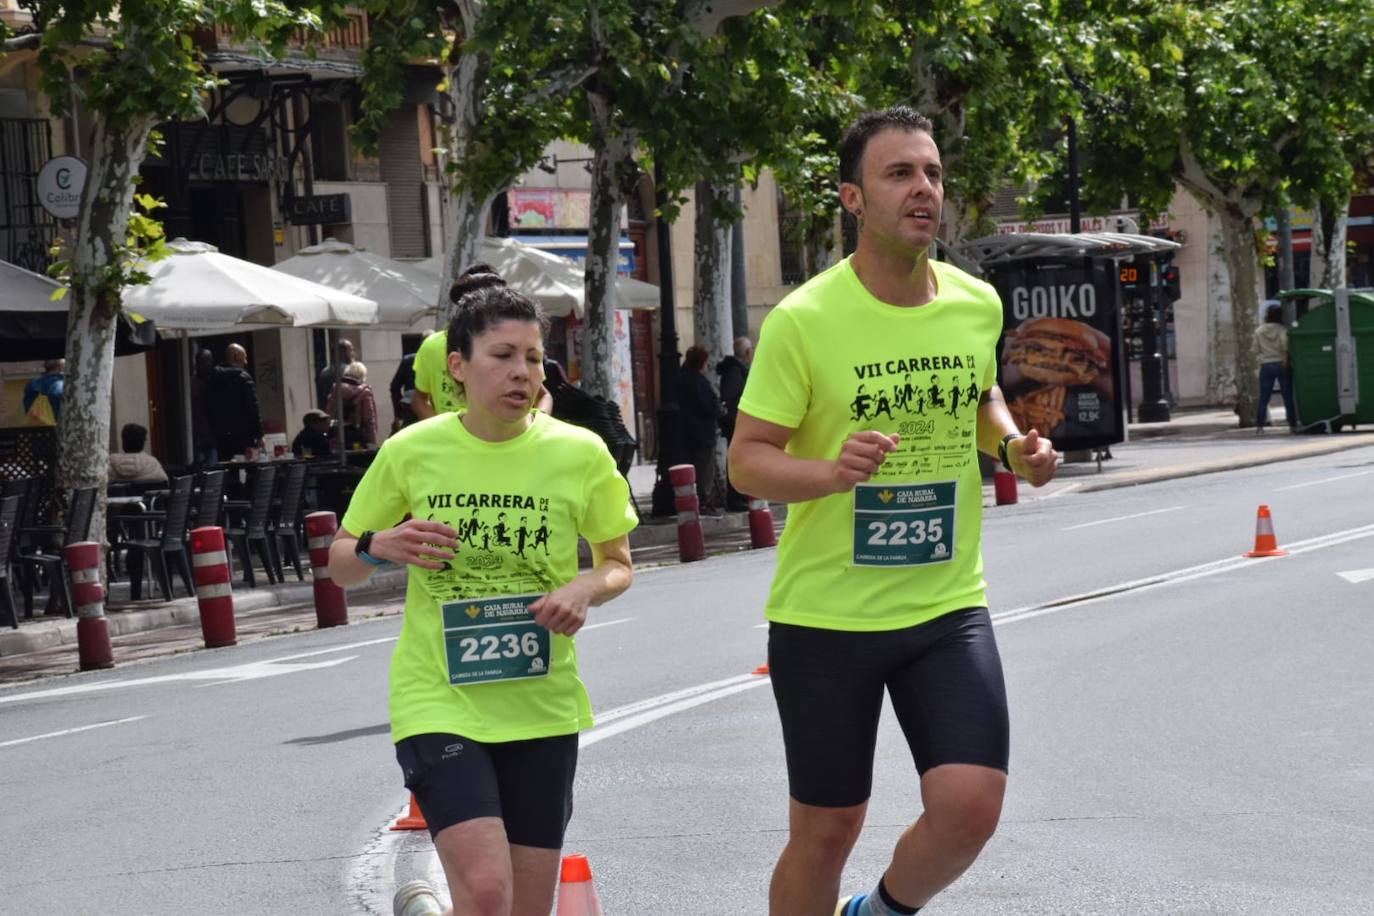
x=60, y=183
x=1058, y=364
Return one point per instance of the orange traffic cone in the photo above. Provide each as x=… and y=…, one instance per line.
x=414, y=820
x=1266, y=545
x=576, y=893
x=761, y=669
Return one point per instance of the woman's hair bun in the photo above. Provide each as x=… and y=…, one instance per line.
x=476, y=277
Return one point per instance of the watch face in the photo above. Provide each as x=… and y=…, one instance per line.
x=364, y=542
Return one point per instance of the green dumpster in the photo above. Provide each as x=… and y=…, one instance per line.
x=1332, y=361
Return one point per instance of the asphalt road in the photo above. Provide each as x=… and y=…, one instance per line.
x=1193, y=734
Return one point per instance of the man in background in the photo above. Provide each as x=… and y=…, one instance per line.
x=232, y=400
x=133, y=464
x=48, y=387
x=330, y=375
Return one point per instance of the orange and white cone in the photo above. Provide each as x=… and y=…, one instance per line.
x=576, y=893
x=414, y=819
x=1266, y=544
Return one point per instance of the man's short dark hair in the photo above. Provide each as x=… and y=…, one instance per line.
x=132, y=437
x=694, y=360
x=898, y=117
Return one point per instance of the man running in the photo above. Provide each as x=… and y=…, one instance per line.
x=879, y=583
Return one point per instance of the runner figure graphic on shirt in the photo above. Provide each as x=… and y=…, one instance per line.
x=502, y=531
x=954, y=401
x=884, y=406
x=936, y=400
x=541, y=535
x=973, y=392
x=860, y=404
x=522, y=535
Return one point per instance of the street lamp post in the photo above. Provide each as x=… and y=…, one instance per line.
x=668, y=413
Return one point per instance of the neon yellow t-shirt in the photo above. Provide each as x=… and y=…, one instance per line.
x=519, y=507
x=432, y=375
x=832, y=360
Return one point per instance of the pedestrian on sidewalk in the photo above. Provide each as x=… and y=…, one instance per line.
x=486, y=718
x=359, y=406
x=1271, y=347
x=733, y=372
x=879, y=583
x=231, y=398
x=700, y=410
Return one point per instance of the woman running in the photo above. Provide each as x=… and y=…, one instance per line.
x=485, y=698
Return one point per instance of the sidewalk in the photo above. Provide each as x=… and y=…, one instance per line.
x=1194, y=442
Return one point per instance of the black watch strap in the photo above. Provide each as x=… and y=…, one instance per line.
x=363, y=545
x=1002, y=448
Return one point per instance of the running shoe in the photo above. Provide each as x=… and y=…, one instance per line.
x=416, y=898
x=850, y=905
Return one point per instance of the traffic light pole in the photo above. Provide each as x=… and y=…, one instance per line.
x=1153, y=407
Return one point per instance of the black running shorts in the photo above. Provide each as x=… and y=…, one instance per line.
x=945, y=680
x=528, y=784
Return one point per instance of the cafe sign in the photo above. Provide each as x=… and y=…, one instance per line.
x=60, y=182
x=320, y=209
x=246, y=167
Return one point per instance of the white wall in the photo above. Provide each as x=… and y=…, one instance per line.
x=369, y=228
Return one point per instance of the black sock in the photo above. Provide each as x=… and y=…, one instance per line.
x=891, y=903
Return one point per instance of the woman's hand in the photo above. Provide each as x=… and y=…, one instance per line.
x=415, y=542
x=563, y=610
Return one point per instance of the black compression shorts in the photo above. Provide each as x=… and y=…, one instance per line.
x=528, y=784
x=945, y=680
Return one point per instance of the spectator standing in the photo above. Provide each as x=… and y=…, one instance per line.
x=733, y=372
x=133, y=464
x=403, y=393
x=329, y=376
x=1271, y=346
x=43, y=395
x=231, y=398
x=700, y=425
x=359, y=405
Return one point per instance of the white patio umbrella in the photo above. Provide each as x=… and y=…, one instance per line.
x=404, y=292
x=201, y=291
x=555, y=282
x=197, y=290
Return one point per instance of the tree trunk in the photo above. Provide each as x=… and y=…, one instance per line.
x=466, y=221
x=1238, y=243
x=612, y=168
x=1329, y=223
x=84, y=431
x=712, y=323
x=820, y=246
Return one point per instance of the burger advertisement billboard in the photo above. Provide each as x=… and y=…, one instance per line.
x=1058, y=363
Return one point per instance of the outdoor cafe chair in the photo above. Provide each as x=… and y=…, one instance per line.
x=48, y=559
x=162, y=546
x=210, y=506
x=286, y=541
x=248, y=531
x=9, y=520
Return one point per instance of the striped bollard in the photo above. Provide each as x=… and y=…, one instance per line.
x=1004, y=487
x=214, y=594
x=93, y=647
x=691, y=545
x=331, y=601
x=761, y=533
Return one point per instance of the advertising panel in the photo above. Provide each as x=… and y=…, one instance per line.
x=1058, y=360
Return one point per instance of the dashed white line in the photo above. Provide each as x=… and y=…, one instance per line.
x=70, y=731
x=1121, y=518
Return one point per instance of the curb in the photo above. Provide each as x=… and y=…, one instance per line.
x=1253, y=459
x=47, y=635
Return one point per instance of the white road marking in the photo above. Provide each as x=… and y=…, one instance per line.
x=1356, y=576
x=1179, y=575
x=604, y=623
x=70, y=731
x=1313, y=483
x=1121, y=518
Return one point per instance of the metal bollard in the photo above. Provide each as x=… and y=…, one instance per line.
x=691, y=545
x=761, y=533
x=214, y=593
x=331, y=602
x=93, y=647
x=1004, y=487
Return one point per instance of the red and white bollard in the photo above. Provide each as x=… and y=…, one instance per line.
x=214, y=593
x=1004, y=487
x=761, y=533
x=331, y=601
x=93, y=646
x=691, y=545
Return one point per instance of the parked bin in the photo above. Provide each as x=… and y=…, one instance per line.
x=1315, y=356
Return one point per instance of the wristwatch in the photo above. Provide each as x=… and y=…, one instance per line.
x=1001, y=451
x=361, y=547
